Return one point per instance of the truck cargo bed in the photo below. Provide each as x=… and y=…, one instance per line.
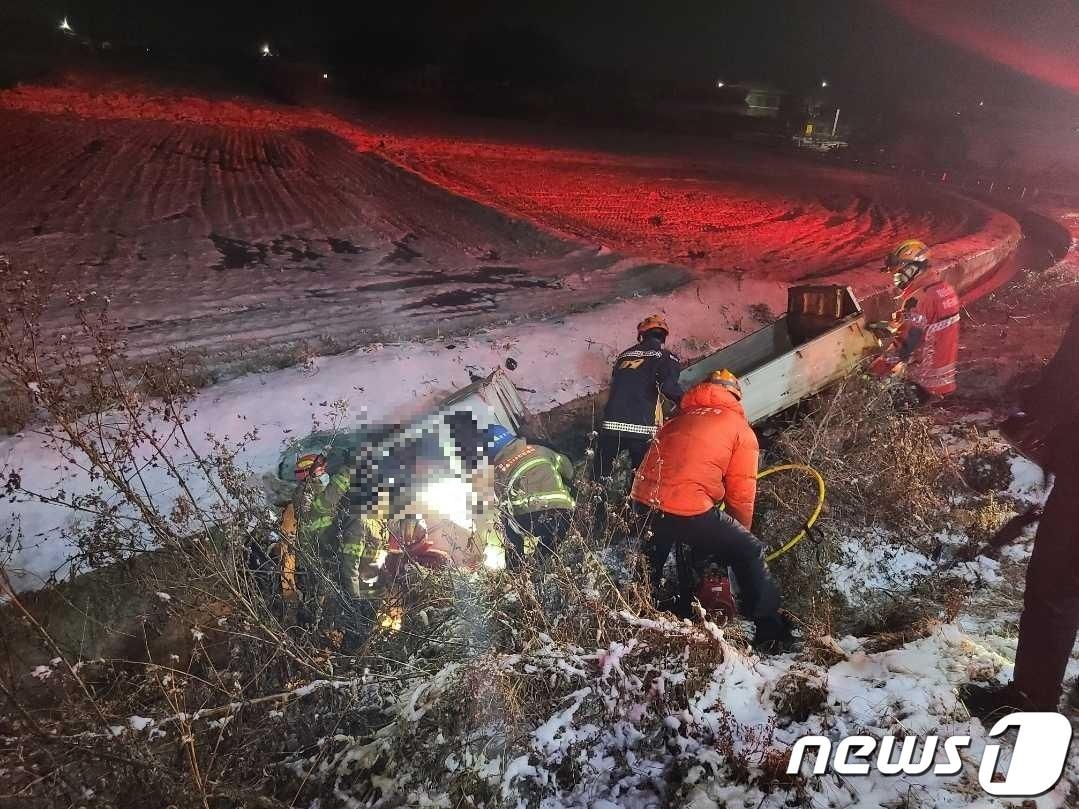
x=822, y=338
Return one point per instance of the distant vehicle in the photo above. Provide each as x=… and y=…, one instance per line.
x=819, y=143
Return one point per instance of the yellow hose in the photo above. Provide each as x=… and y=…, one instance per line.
x=821, y=491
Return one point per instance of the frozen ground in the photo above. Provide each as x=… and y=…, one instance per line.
x=713, y=209
x=244, y=229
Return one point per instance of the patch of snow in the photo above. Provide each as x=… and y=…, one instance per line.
x=981, y=570
x=874, y=563
x=139, y=723
x=1028, y=481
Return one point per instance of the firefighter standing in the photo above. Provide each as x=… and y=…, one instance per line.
x=360, y=529
x=1050, y=619
x=704, y=456
x=532, y=486
x=309, y=471
x=925, y=331
x=345, y=521
x=641, y=373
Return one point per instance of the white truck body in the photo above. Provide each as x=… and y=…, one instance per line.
x=821, y=339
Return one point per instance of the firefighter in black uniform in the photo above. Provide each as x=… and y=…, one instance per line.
x=641, y=374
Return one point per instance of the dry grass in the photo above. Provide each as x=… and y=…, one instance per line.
x=254, y=708
x=16, y=410
x=886, y=466
x=882, y=460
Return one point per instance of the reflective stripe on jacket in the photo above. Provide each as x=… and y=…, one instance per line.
x=929, y=338
x=322, y=508
x=532, y=478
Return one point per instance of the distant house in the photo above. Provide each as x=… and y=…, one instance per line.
x=763, y=101
x=754, y=99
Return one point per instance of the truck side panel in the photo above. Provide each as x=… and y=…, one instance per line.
x=805, y=370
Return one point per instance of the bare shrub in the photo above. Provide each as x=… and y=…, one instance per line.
x=207, y=691
x=885, y=465
x=209, y=637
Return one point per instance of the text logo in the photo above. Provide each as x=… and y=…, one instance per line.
x=1036, y=765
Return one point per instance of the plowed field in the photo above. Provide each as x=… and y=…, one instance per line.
x=244, y=229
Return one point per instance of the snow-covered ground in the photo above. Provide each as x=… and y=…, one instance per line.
x=556, y=361
x=239, y=228
x=670, y=713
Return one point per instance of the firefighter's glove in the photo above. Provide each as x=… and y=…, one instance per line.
x=885, y=365
x=884, y=330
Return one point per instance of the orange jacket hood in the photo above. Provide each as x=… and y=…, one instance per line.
x=709, y=394
x=704, y=456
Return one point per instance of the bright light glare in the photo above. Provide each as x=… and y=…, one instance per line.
x=265, y=50
x=448, y=497
x=325, y=75
x=824, y=84
x=65, y=25
x=720, y=83
x=494, y=559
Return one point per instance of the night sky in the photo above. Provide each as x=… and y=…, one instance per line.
x=867, y=49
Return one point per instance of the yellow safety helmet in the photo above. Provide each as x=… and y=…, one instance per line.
x=652, y=322
x=728, y=380
x=906, y=262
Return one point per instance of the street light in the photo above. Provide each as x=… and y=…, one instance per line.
x=824, y=84
x=65, y=25
x=720, y=84
x=325, y=75
x=265, y=50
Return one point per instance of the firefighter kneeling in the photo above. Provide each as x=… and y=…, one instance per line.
x=923, y=336
x=531, y=483
x=704, y=456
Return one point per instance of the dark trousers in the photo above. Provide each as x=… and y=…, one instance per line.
x=611, y=443
x=546, y=526
x=714, y=537
x=1050, y=619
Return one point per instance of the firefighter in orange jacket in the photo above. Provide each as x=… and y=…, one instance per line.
x=704, y=456
x=925, y=330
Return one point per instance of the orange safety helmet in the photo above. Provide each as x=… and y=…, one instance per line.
x=728, y=380
x=652, y=322
x=310, y=464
